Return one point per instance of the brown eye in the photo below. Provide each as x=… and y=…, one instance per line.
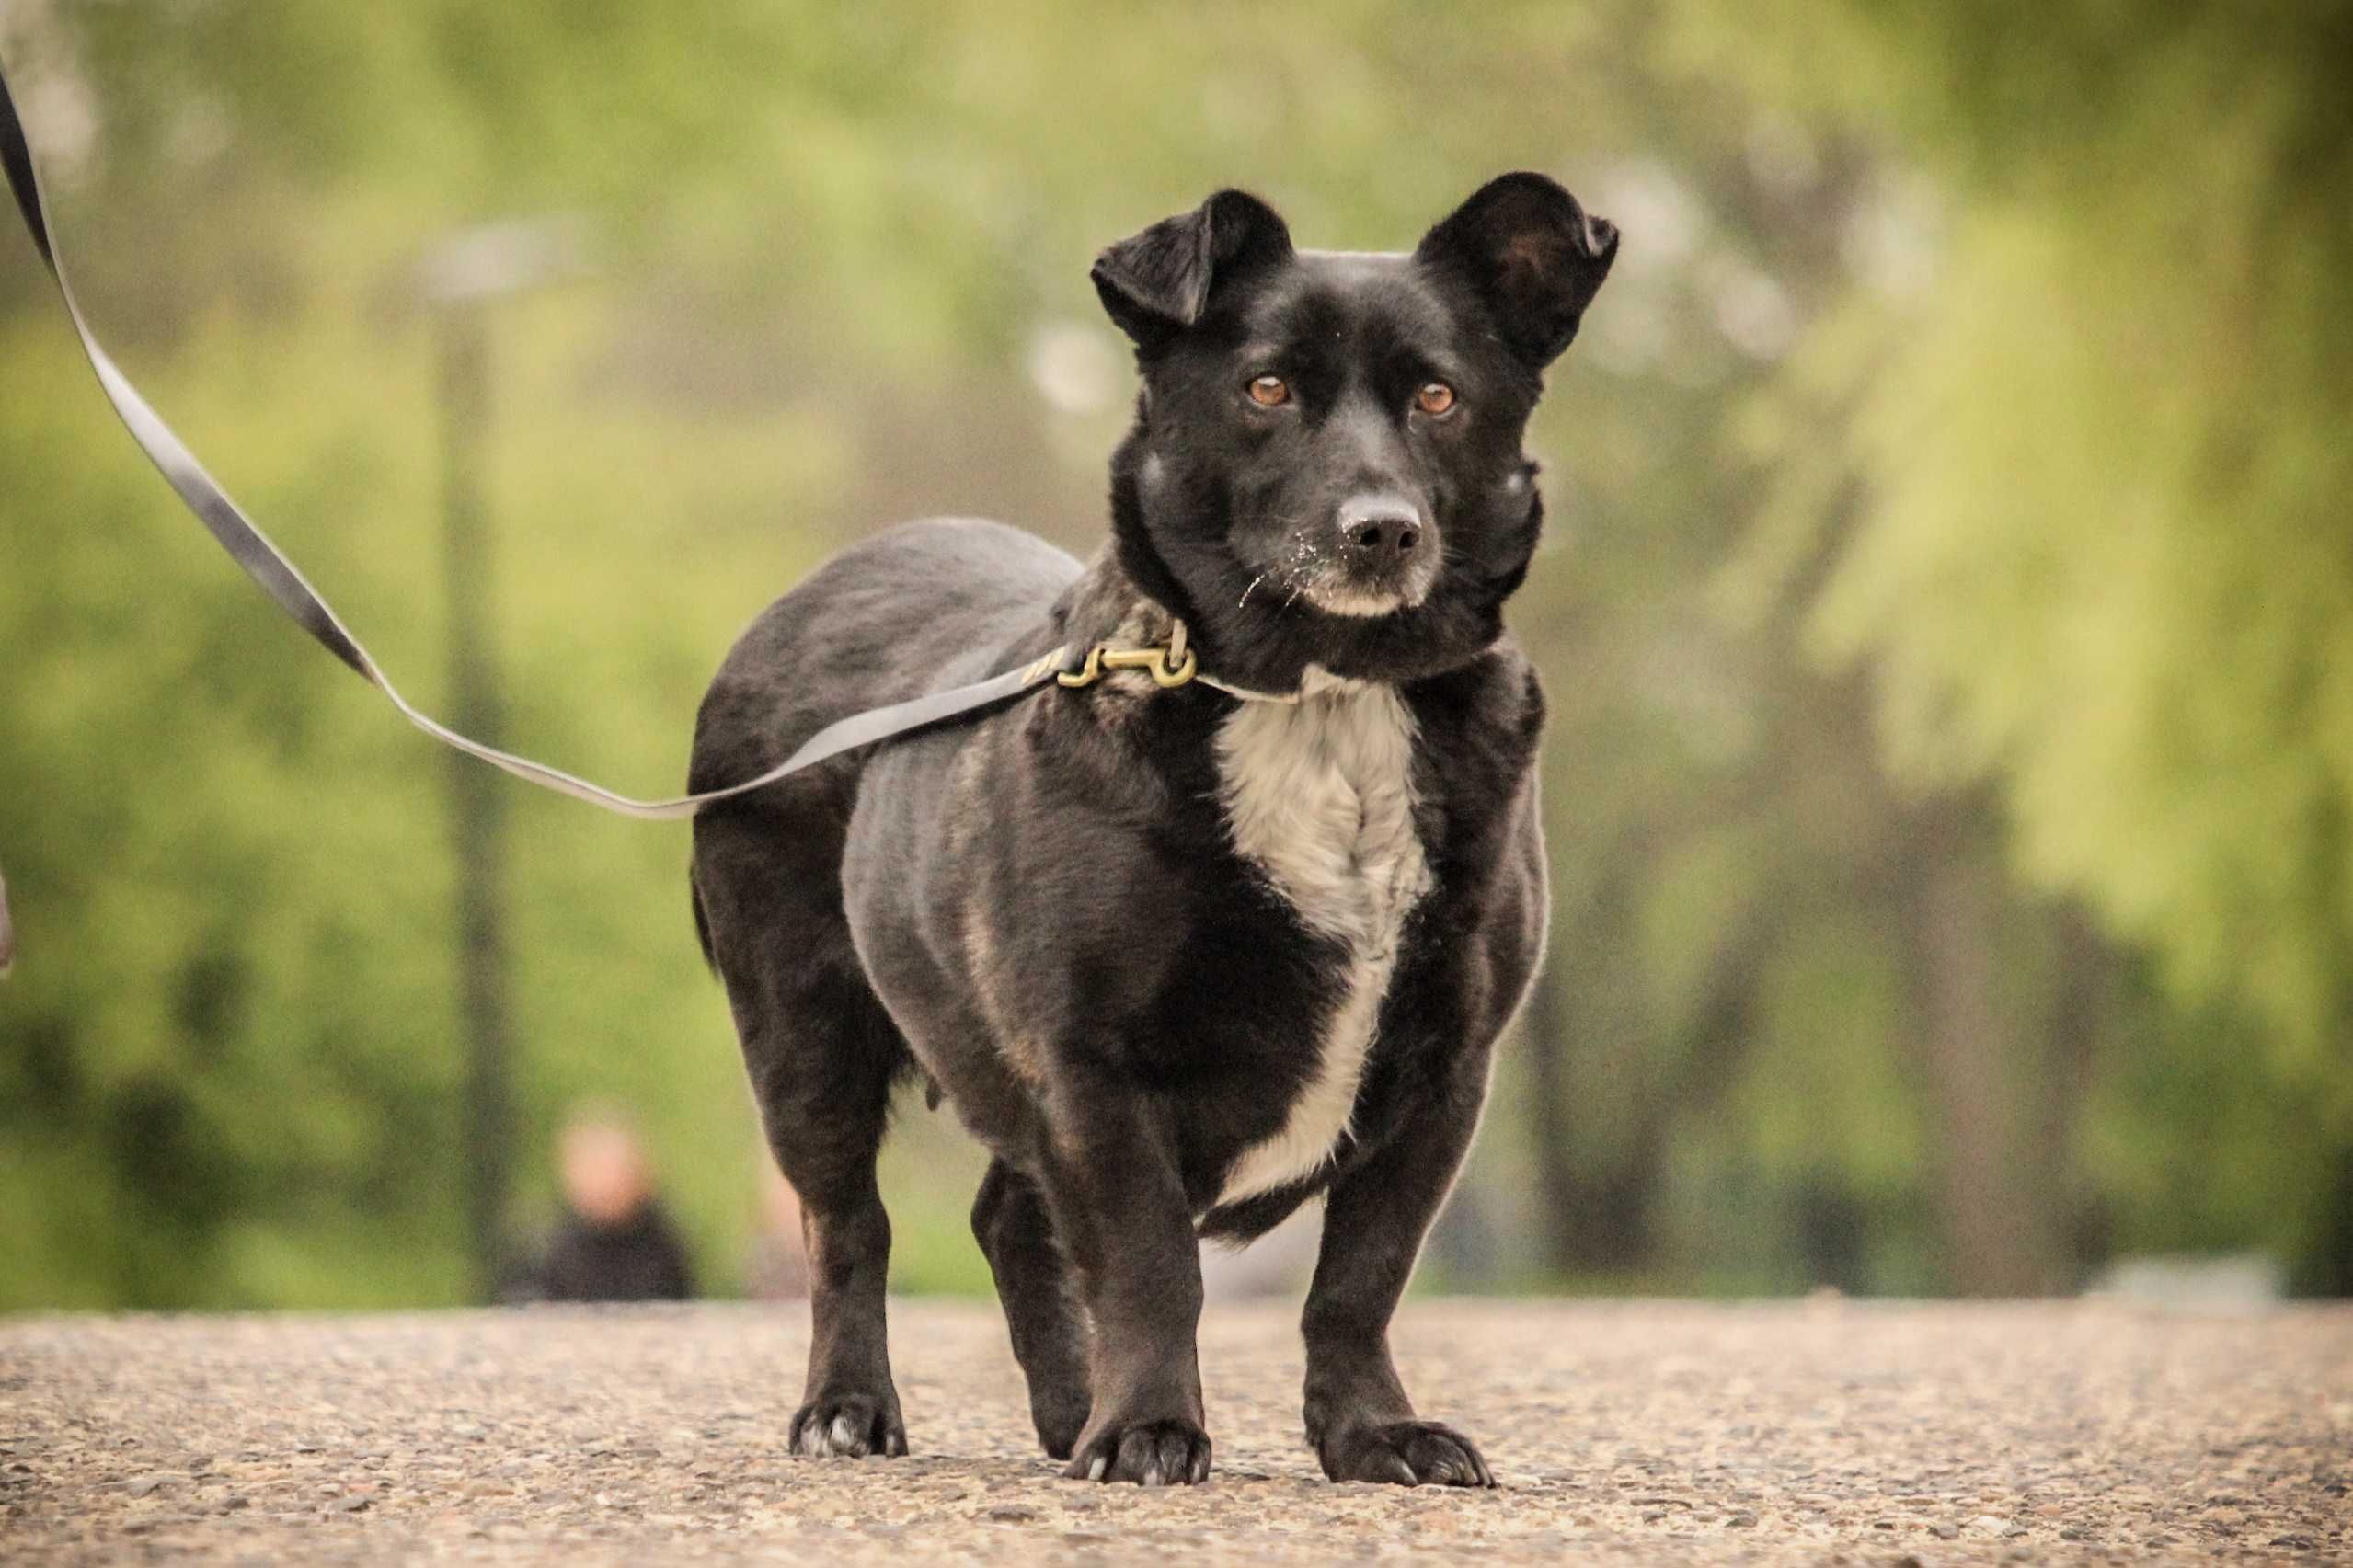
x=1436, y=397
x=1269, y=391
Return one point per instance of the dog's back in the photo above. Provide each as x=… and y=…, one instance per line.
x=919, y=608
x=916, y=609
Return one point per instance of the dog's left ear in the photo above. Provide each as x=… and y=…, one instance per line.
x=1532, y=255
x=1158, y=283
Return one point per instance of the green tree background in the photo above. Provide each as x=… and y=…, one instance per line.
x=1946, y=615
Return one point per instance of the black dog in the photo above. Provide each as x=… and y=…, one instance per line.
x=1183, y=954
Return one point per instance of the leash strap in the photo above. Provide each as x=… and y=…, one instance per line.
x=280, y=579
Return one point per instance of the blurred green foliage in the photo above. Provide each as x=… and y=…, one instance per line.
x=1962, y=401
x=2102, y=554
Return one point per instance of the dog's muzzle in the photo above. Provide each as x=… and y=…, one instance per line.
x=1383, y=558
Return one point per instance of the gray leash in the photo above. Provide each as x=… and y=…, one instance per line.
x=279, y=577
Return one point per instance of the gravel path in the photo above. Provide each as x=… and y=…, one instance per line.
x=1803, y=1432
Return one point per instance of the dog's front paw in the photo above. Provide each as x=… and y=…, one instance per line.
x=1406, y=1453
x=1149, y=1453
x=849, y=1426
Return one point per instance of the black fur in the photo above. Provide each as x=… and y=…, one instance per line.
x=1044, y=910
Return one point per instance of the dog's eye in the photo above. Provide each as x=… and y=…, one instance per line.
x=1269, y=391
x=1435, y=397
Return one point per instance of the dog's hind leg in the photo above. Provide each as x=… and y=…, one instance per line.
x=822, y=1056
x=824, y=1094
x=1017, y=1235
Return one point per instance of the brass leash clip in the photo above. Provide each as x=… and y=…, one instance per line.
x=1170, y=665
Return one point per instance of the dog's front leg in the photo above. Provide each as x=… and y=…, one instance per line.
x=1119, y=1203
x=1359, y=1420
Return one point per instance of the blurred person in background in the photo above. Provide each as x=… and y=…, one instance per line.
x=615, y=1242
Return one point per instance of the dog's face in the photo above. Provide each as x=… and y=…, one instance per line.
x=1325, y=466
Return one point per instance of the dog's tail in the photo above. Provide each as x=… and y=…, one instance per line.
x=701, y=923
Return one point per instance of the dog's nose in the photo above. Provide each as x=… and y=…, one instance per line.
x=1380, y=531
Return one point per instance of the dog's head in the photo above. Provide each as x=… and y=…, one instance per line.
x=1325, y=466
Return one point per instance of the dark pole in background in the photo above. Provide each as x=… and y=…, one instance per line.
x=462, y=278
x=478, y=803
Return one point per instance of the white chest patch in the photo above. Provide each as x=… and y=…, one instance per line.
x=1318, y=795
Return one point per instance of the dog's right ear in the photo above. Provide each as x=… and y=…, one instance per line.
x=1158, y=283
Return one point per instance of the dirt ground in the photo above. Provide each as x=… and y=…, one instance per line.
x=1813, y=1432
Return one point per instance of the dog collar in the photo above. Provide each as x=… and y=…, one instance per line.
x=1170, y=664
